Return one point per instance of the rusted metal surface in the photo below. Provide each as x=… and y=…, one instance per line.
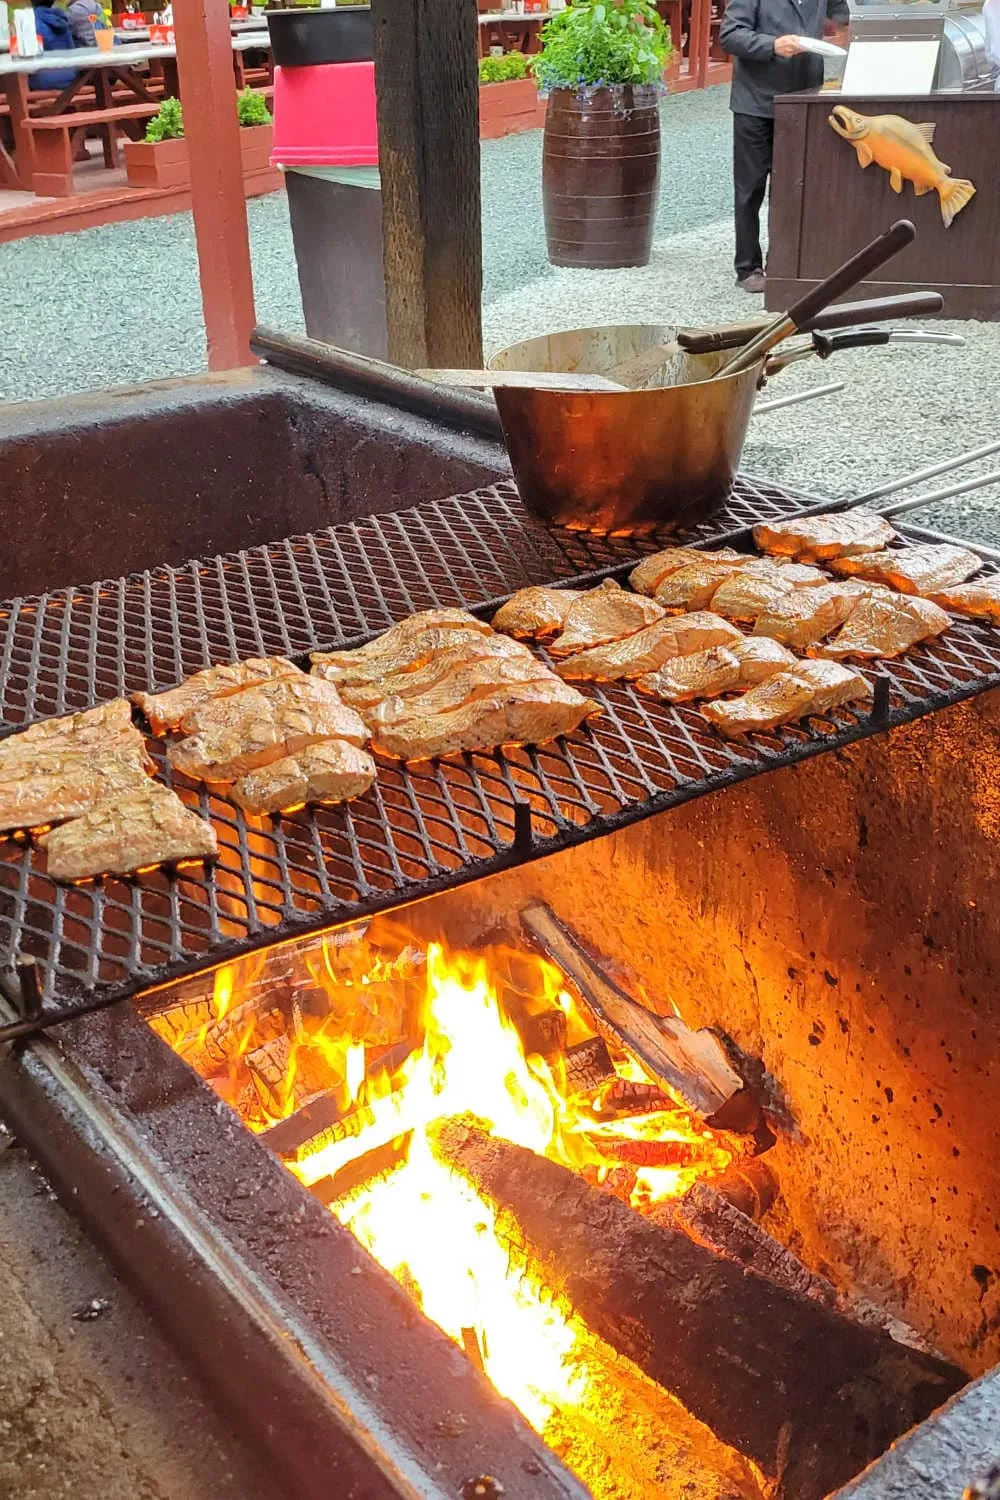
x=205, y=64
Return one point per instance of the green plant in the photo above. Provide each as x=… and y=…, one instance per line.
x=503, y=69
x=602, y=42
x=251, y=108
x=168, y=123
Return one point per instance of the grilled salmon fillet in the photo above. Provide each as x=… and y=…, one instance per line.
x=524, y=714
x=885, y=624
x=817, y=538
x=926, y=569
x=532, y=614
x=405, y=645
x=466, y=682
x=979, y=600
x=166, y=710
x=50, y=788
x=148, y=826
x=720, y=669
x=648, y=649
x=497, y=649
x=607, y=613
x=104, y=729
x=263, y=724
x=810, y=687
x=647, y=576
x=802, y=617
x=334, y=771
x=693, y=586
x=747, y=592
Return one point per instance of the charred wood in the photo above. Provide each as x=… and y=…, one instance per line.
x=362, y=1170
x=652, y=1153
x=310, y=1126
x=806, y=1394
x=588, y=1065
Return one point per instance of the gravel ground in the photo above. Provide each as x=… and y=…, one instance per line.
x=900, y=409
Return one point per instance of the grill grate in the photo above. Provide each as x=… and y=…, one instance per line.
x=420, y=829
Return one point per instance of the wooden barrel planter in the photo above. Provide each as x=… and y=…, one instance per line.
x=600, y=174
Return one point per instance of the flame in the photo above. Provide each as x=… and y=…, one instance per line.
x=427, y=1225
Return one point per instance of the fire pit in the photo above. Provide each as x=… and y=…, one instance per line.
x=720, y=1277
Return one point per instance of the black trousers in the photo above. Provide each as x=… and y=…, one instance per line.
x=753, y=144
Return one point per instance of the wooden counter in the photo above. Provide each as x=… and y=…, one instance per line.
x=824, y=207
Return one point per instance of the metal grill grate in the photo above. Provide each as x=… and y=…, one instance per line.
x=420, y=829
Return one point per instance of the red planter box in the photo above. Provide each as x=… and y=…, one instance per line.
x=507, y=108
x=165, y=164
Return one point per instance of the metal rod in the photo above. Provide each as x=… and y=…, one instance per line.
x=816, y=390
x=978, y=483
x=919, y=475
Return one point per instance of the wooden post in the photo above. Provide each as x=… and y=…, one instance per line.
x=428, y=121
x=205, y=65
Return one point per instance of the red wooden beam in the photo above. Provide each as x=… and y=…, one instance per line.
x=205, y=66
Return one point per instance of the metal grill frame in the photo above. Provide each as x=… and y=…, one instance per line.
x=421, y=829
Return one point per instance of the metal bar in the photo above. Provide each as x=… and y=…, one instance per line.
x=978, y=483
x=893, y=486
x=817, y=390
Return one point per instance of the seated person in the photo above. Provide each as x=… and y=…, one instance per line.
x=81, y=15
x=52, y=25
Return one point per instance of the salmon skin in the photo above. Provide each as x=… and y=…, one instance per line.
x=925, y=569
x=647, y=576
x=333, y=771
x=904, y=150
x=720, y=669
x=804, y=616
x=522, y=714
x=978, y=601
x=466, y=682
x=404, y=646
x=149, y=826
x=607, y=613
x=648, y=649
x=49, y=788
x=885, y=624
x=810, y=687
x=533, y=614
x=818, y=538
x=167, y=710
x=497, y=650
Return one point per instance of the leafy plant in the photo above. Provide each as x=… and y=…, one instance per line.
x=168, y=123
x=602, y=42
x=503, y=69
x=251, y=108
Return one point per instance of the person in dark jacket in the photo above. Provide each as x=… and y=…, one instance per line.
x=762, y=38
x=52, y=25
x=81, y=15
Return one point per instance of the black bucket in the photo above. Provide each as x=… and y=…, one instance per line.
x=301, y=38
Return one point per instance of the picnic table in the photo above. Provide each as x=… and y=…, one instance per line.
x=526, y=24
x=43, y=138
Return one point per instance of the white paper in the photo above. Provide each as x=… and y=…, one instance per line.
x=25, y=34
x=900, y=66
x=821, y=48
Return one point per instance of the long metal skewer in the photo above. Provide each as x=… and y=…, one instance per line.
x=979, y=483
x=817, y=390
x=919, y=475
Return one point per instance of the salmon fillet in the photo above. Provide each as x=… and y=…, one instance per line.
x=817, y=538
x=405, y=645
x=979, y=600
x=497, y=649
x=53, y=787
x=464, y=684
x=167, y=710
x=534, y=613
x=811, y=687
x=607, y=613
x=261, y=725
x=650, y=573
x=747, y=592
x=334, y=771
x=149, y=826
x=525, y=714
x=804, y=616
x=648, y=649
x=105, y=729
x=926, y=569
x=885, y=624
x=721, y=669
x=693, y=586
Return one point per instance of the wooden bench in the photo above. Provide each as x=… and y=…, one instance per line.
x=55, y=139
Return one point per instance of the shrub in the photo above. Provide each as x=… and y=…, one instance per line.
x=251, y=108
x=602, y=42
x=168, y=123
x=503, y=69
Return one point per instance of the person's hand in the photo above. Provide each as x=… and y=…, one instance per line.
x=787, y=46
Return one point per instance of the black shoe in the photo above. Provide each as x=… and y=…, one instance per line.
x=754, y=281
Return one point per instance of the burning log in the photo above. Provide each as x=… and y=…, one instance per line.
x=691, y=1063
x=284, y=1075
x=808, y=1395
x=588, y=1065
x=622, y=1097
x=325, y=1118
x=639, y=1153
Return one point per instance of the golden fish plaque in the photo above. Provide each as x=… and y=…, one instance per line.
x=904, y=150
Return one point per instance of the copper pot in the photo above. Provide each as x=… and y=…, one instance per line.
x=628, y=461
